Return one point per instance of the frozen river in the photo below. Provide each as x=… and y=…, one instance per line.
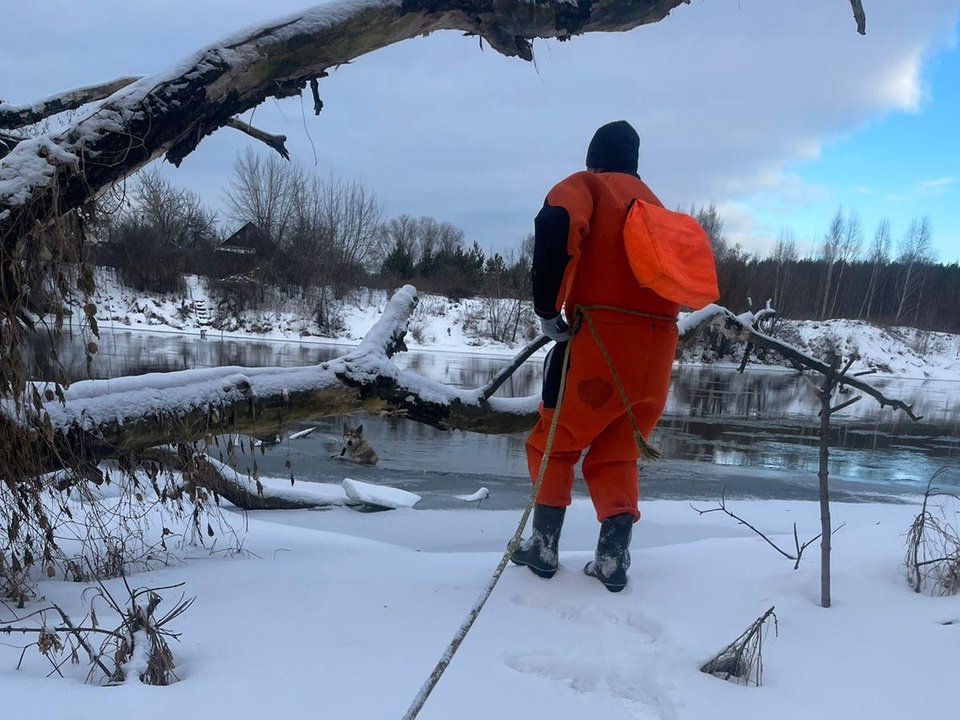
x=752, y=434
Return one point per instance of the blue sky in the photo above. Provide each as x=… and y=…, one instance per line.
x=902, y=165
x=777, y=112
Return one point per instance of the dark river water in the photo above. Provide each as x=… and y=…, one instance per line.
x=753, y=434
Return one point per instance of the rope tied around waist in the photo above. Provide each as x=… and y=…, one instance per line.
x=581, y=313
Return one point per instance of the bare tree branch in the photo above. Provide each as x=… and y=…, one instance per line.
x=848, y=403
x=742, y=328
x=722, y=507
x=501, y=377
x=274, y=142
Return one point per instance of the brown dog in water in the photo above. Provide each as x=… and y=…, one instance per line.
x=355, y=448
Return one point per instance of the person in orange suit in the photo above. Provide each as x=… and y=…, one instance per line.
x=580, y=261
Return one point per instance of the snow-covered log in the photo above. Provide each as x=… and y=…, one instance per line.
x=97, y=419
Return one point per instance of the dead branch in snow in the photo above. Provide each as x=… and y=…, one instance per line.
x=743, y=328
x=243, y=491
x=139, y=623
x=742, y=660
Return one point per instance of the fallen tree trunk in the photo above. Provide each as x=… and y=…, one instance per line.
x=172, y=112
x=246, y=492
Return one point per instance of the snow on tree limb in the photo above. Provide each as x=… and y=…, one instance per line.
x=743, y=328
x=13, y=117
x=97, y=419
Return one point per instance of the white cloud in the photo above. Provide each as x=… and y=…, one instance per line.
x=935, y=188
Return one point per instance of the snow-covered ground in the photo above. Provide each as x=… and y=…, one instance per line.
x=343, y=614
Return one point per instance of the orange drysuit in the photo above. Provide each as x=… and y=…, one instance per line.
x=580, y=260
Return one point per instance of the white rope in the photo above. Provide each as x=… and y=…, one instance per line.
x=471, y=617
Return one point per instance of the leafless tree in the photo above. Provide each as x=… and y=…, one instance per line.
x=840, y=244
x=916, y=250
x=784, y=255
x=712, y=224
x=264, y=191
x=352, y=216
x=329, y=229
x=401, y=233
x=435, y=237
x=177, y=215
x=879, y=255
x=159, y=233
x=850, y=246
x=334, y=238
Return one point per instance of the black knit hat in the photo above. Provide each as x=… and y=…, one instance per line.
x=615, y=148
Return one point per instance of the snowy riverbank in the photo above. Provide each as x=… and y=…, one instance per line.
x=441, y=324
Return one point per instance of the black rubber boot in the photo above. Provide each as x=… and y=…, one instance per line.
x=612, y=558
x=539, y=551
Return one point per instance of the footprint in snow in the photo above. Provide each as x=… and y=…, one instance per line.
x=619, y=611
x=632, y=682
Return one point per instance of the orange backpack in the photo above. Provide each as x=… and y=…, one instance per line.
x=670, y=254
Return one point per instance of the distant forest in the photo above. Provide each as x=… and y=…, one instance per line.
x=292, y=229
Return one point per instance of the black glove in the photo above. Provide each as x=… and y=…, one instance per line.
x=555, y=328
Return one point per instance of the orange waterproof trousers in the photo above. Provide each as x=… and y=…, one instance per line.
x=593, y=416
